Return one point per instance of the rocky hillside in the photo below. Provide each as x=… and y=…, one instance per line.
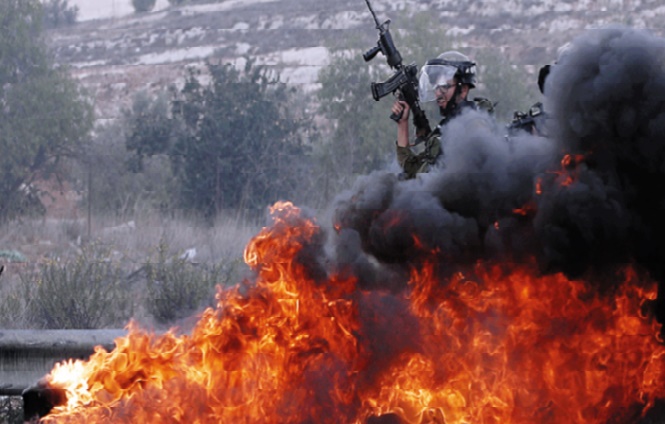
x=116, y=57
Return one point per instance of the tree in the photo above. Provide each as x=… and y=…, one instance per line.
x=58, y=13
x=115, y=182
x=44, y=117
x=143, y=5
x=149, y=127
x=239, y=143
x=234, y=143
x=361, y=126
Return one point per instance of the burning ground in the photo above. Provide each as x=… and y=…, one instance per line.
x=517, y=283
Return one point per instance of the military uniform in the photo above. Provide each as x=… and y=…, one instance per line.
x=419, y=157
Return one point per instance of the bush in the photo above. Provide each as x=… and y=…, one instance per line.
x=177, y=287
x=83, y=293
x=111, y=187
x=58, y=13
x=143, y=5
x=177, y=2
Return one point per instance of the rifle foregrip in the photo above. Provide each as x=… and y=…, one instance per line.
x=396, y=116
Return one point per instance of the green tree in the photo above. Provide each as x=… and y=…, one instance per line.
x=143, y=5
x=58, y=13
x=234, y=143
x=44, y=117
x=361, y=131
x=149, y=127
x=239, y=145
x=111, y=182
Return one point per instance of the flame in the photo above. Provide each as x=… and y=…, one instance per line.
x=529, y=209
x=569, y=172
x=493, y=343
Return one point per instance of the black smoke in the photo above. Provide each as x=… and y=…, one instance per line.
x=509, y=198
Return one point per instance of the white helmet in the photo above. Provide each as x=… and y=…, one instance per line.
x=446, y=67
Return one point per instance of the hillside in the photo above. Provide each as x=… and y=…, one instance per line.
x=114, y=57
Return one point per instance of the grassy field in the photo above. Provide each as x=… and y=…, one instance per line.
x=77, y=274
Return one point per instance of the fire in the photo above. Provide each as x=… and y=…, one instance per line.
x=491, y=343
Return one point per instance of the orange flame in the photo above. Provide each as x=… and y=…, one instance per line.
x=495, y=343
x=569, y=172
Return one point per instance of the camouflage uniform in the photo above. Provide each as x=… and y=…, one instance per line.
x=418, y=158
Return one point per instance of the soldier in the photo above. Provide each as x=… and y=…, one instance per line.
x=534, y=120
x=446, y=80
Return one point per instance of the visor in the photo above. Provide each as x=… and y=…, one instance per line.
x=432, y=76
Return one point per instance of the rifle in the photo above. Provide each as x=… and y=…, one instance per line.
x=403, y=82
x=528, y=121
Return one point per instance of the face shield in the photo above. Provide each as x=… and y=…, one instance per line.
x=431, y=77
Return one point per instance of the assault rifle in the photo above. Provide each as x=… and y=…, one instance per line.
x=403, y=83
x=530, y=121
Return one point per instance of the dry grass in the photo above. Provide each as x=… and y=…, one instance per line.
x=129, y=244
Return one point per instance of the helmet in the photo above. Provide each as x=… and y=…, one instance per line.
x=542, y=76
x=544, y=72
x=437, y=72
x=563, y=51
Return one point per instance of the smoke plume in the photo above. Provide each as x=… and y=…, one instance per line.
x=587, y=198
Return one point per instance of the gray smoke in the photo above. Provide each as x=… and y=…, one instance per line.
x=494, y=197
x=607, y=94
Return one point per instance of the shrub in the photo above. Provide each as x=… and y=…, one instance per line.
x=85, y=292
x=143, y=5
x=177, y=287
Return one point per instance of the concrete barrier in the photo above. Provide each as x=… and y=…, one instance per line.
x=28, y=355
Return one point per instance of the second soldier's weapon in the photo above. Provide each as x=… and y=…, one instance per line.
x=403, y=83
x=529, y=121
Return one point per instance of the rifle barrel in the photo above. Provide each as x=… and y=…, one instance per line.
x=378, y=25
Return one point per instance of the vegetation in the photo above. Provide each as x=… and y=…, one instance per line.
x=58, y=13
x=143, y=5
x=232, y=142
x=227, y=143
x=110, y=180
x=83, y=292
x=138, y=273
x=359, y=142
x=178, y=287
x=44, y=118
